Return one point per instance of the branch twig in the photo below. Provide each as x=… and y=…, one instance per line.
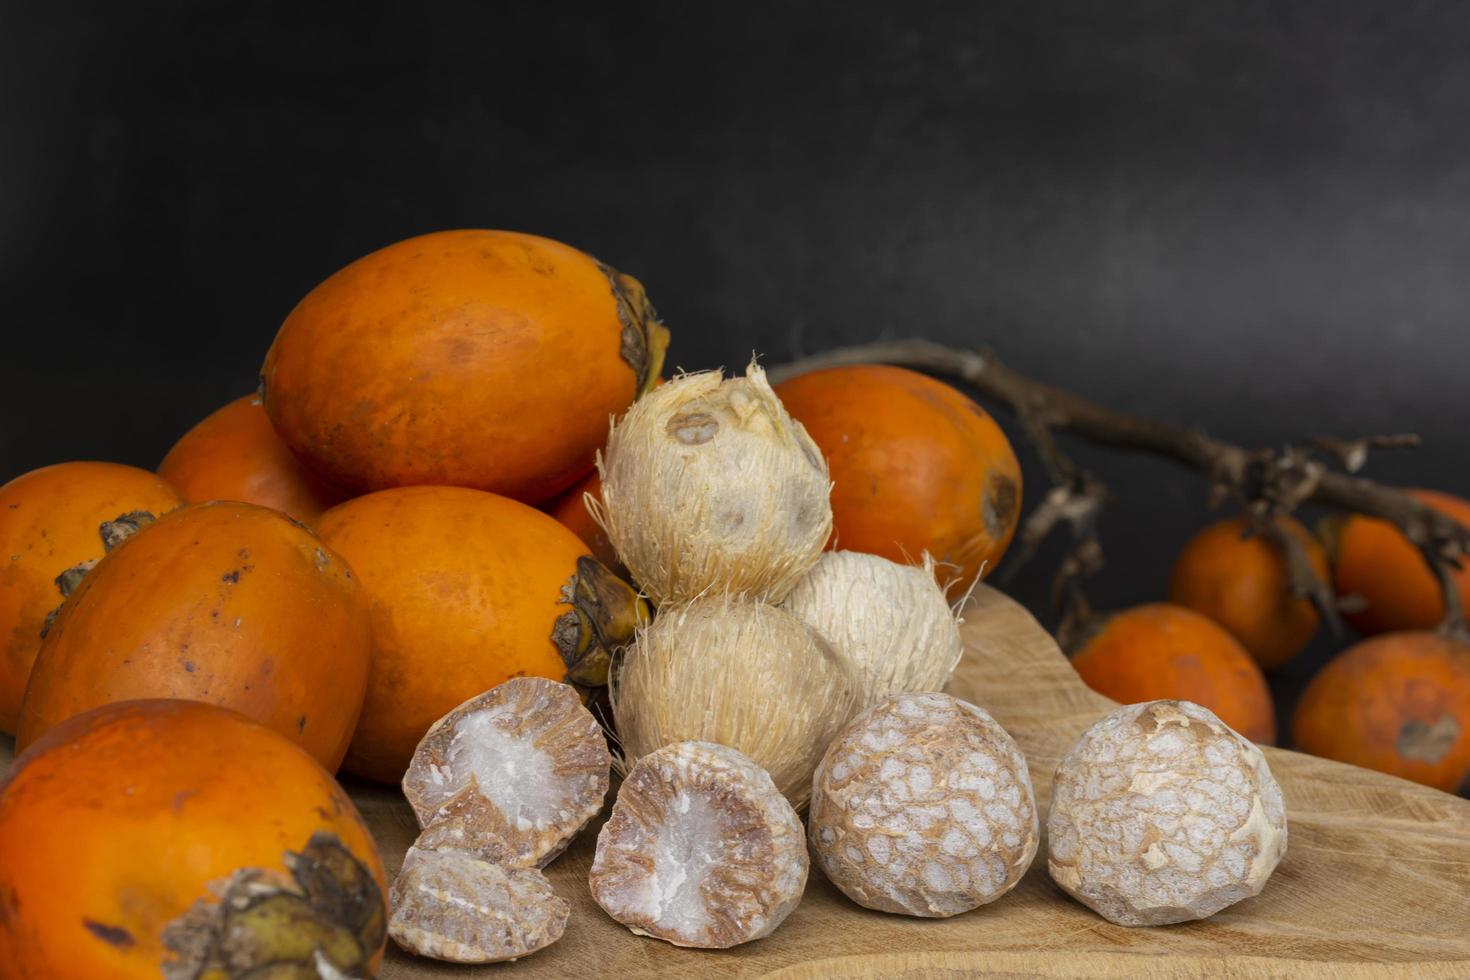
x=1282, y=479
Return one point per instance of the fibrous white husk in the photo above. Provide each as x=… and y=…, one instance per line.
x=1161, y=813
x=700, y=850
x=891, y=621
x=924, y=806
x=741, y=673
x=708, y=485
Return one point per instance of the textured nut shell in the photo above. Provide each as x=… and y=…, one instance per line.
x=743, y=674
x=1161, y=813
x=891, y=621
x=924, y=806
x=708, y=485
x=542, y=762
x=452, y=906
x=700, y=849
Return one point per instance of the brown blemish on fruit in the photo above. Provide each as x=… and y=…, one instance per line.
x=123, y=526
x=68, y=581
x=232, y=577
x=644, y=338
x=112, y=935
x=1427, y=743
x=113, y=533
x=999, y=506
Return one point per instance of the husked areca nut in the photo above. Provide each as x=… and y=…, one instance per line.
x=525, y=762
x=1161, y=813
x=891, y=621
x=700, y=850
x=708, y=485
x=923, y=806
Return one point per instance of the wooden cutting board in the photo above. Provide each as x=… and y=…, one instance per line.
x=1376, y=882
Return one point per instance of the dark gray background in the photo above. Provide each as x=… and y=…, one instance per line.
x=1250, y=217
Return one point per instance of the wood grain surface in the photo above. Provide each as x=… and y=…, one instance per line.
x=1376, y=881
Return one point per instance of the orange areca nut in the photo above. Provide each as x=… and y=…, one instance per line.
x=1398, y=703
x=1374, y=561
x=178, y=839
x=1243, y=584
x=1165, y=651
x=55, y=524
x=235, y=454
x=485, y=359
x=571, y=510
x=222, y=602
x=468, y=589
x=916, y=467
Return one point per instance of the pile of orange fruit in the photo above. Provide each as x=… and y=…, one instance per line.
x=1398, y=701
x=394, y=523
x=397, y=521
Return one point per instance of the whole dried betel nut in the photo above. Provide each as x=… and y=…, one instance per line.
x=451, y=905
x=1161, y=813
x=923, y=806
x=525, y=762
x=701, y=849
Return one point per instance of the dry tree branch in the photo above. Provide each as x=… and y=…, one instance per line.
x=1276, y=481
x=1301, y=578
x=1353, y=453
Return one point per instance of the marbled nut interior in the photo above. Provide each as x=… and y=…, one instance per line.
x=450, y=905
x=1161, y=813
x=525, y=762
x=924, y=806
x=701, y=849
